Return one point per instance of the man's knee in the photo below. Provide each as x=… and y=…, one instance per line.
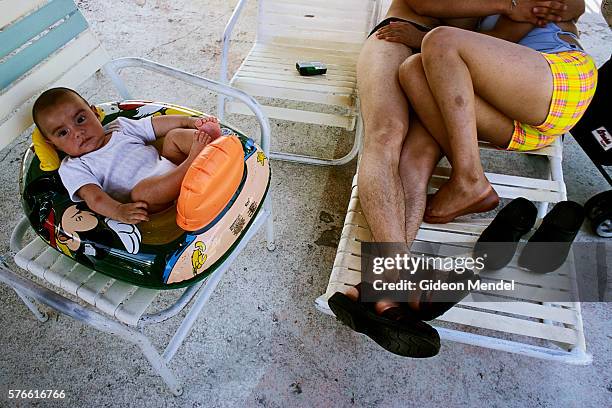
x=386, y=133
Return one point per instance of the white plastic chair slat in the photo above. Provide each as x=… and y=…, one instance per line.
x=22, y=119
x=256, y=89
x=512, y=325
x=320, y=21
x=337, y=59
x=56, y=273
x=46, y=259
x=274, y=31
x=289, y=76
x=508, y=180
x=337, y=9
x=297, y=86
x=279, y=68
x=47, y=72
x=532, y=310
x=132, y=309
x=296, y=115
x=113, y=296
x=442, y=236
x=13, y=10
x=30, y=252
x=73, y=280
x=93, y=287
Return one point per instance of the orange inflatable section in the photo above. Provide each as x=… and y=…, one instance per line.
x=210, y=183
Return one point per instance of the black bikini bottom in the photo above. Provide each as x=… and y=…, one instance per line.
x=388, y=20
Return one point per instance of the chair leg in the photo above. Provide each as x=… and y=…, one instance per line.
x=41, y=316
x=157, y=362
x=270, y=244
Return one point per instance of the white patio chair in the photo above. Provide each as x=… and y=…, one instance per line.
x=49, y=43
x=330, y=31
x=551, y=331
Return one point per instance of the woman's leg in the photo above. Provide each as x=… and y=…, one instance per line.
x=510, y=81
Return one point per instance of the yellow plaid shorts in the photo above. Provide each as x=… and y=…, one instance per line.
x=574, y=81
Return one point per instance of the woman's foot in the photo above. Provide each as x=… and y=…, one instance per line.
x=209, y=125
x=459, y=197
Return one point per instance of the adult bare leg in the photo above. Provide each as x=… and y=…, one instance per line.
x=420, y=155
x=385, y=115
x=459, y=64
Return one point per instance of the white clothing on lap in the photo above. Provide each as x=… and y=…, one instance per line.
x=118, y=166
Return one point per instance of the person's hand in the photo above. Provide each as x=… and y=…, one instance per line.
x=401, y=32
x=539, y=12
x=132, y=213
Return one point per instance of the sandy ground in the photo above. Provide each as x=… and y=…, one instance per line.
x=260, y=342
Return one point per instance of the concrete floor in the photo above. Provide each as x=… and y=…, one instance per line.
x=260, y=342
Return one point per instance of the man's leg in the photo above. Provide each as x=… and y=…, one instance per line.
x=384, y=111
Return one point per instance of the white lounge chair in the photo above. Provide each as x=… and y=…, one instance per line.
x=551, y=331
x=330, y=31
x=49, y=43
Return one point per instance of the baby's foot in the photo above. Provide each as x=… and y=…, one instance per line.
x=200, y=140
x=209, y=125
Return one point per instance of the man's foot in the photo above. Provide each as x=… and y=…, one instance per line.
x=404, y=336
x=458, y=197
x=210, y=126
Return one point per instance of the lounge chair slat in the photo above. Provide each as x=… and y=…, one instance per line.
x=116, y=293
x=78, y=275
x=296, y=115
x=512, y=325
x=93, y=287
x=47, y=72
x=14, y=36
x=135, y=305
x=15, y=10
x=280, y=92
x=62, y=266
x=17, y=65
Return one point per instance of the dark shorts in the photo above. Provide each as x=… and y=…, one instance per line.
x=388, y=20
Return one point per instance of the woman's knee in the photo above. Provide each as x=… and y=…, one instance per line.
x=440, y=40
x=411, y=74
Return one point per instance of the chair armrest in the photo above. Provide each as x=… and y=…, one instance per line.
x=223, y=89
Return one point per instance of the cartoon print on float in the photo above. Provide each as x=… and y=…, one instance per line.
x=75, y=220
x=198, y=257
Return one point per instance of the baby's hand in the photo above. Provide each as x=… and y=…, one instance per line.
x=210, y=126
x=132, y=213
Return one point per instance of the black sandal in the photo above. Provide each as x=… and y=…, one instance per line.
x=497, y=243
x=405, y=337
x=434, y=303
x=548, y=247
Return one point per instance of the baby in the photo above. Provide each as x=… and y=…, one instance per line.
x=119, y=174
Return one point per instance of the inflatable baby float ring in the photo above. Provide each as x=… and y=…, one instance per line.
x=221, y=195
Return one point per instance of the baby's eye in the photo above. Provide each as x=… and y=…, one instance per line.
x=81, y=119
x=62, y=133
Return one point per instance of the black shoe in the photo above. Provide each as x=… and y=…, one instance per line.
x=497, y=243
x=405, y=337
x=549, y=246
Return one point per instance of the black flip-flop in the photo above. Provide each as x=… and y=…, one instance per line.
x=405, y=337
x=497, y=243
x=548, y=247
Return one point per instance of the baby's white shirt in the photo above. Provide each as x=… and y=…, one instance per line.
x=118, y=166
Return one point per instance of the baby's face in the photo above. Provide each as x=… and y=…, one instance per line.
x=72, y=126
